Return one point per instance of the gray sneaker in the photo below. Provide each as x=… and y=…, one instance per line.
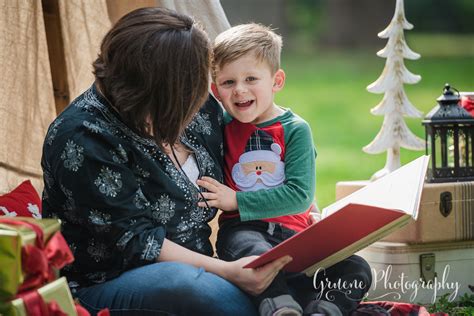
x=283, y=305
x=287, y=311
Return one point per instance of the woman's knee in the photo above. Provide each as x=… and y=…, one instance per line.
x=206, y=292
x=172, y=277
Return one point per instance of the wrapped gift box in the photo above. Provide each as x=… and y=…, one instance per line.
x=57, y=291
x=12, y=239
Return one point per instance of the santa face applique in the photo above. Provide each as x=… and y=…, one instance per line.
x=260, y=166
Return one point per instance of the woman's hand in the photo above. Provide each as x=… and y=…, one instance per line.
x=218, y=195
x=254, y=281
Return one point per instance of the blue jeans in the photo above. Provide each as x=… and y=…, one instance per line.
x=167, y=288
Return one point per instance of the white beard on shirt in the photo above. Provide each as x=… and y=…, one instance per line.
x=254, y=182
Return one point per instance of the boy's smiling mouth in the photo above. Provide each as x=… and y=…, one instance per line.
x=244, y=104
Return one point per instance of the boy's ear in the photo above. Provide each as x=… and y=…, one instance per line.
x=215, y=92
x=278, y=80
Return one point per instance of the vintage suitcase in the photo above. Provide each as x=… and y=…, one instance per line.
x=420, y=273
x=446, y=213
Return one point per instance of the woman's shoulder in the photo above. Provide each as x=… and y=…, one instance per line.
x=88, y=126
x=81, y=118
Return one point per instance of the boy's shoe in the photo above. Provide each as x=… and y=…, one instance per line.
x=286, y=311
x=319, y=307
x=283, y=305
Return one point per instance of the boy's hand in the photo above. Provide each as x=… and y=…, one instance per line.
x=219, y=195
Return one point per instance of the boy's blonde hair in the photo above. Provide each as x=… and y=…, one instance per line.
x=245, y=38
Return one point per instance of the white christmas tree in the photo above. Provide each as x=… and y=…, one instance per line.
x=394, y=133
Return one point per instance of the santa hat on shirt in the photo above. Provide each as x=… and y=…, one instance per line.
x=261, y=147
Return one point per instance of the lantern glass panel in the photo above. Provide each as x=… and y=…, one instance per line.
x=451, y=147
x=437, y=142
x=429, y=148
x=463, y=146
x=441, y=148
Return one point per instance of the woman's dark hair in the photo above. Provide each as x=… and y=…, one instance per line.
x=153, y=67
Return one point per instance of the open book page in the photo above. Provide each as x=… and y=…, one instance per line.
x=333, y=238
x=371, y=237
x=399, y=190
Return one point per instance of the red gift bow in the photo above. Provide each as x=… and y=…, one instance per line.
x=468, y=104
x=36, y=306
x=81, y=311
x=38, y=260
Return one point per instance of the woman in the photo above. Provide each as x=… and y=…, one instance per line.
x=120, y=171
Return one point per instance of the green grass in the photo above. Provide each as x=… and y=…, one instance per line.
x=329, y=91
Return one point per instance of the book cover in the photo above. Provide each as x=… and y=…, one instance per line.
x=354, y=222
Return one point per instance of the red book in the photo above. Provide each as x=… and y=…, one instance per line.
x=354, y=222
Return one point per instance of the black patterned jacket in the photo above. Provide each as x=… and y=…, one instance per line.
x=118, y=196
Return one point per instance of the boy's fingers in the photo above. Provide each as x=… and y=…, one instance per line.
x=207, y=185
x=209, y=195
x=211, y=180
x=210, y=203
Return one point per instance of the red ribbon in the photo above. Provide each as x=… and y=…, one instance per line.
x=104, y=312
x=39, y=260
x=38, y=231
x=81, y=311
x=36, y=306
x=468, y=104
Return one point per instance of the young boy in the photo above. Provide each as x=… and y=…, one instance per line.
x=269, y=157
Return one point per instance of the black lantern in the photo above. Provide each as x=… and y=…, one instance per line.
x=450, y=140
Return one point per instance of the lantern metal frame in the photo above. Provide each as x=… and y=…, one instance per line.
x=449, y=135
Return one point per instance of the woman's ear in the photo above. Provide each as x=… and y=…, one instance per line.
x=215, y=92
x=278, y=80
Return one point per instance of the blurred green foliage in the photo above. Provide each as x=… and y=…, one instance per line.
x=429, y=16
x=441, y=16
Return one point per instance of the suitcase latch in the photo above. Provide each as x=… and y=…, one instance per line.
x=445, y=203
x=427, y=266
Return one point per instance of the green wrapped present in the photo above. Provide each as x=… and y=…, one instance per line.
x=54, y=297
x=13, y=238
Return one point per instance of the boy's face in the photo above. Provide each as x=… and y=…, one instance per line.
x=246, y=88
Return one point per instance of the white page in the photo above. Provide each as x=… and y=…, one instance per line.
x=399, y=190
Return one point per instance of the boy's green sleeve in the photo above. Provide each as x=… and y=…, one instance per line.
x=297, y=193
